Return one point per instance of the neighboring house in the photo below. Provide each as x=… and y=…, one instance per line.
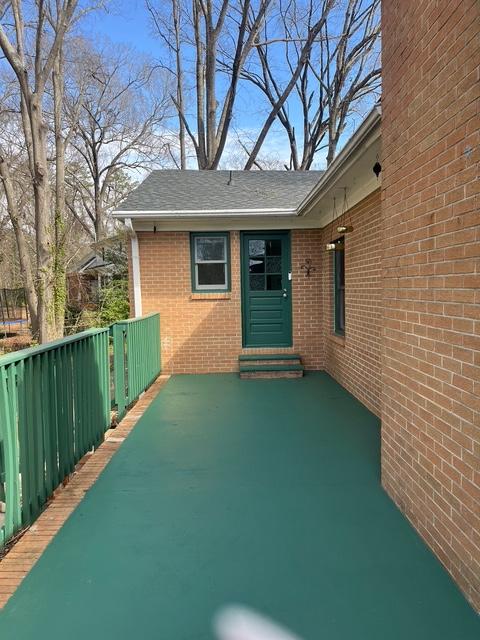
x=85, y=280
x=237, y=264
x=93, y=271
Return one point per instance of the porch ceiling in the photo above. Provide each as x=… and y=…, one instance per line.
x=265, y=493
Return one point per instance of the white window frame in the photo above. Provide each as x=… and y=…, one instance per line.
x=211, y=287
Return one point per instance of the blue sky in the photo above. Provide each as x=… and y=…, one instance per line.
x=127, y=21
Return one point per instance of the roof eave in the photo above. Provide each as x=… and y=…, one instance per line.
x=365, y=135
x=201, y=213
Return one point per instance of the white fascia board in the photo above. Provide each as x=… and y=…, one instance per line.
x=217, y=223
x=199, y=213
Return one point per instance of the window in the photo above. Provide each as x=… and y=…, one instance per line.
x=265, y=264
x=210, y=253
x=339, y=286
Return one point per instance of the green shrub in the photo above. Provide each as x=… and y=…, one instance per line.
x=112, y=306
x=113, y=303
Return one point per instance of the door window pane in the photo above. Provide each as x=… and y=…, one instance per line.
x=274, y=265
x=256, y=248
x=257, y=265
x=257, y=283
x=274, y=248
x=274, y=282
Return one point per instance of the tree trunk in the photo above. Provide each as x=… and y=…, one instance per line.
x=22, y=247
x=32, y=91
x=180, y=100
x=43, y=225
x=59, y=271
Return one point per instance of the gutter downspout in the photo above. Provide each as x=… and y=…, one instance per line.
x=137, y=287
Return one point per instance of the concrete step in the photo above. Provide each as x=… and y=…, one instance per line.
x=268, y=356
x=276, y=370
x=265, y=375
x=268, y=363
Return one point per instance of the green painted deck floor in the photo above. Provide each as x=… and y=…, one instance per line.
x=262, y=492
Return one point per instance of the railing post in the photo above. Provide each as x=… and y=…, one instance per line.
x=8, y=436
x=119, y=368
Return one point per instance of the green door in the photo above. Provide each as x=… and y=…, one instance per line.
x=266, y=290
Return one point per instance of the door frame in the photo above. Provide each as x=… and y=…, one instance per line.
x=244, y=288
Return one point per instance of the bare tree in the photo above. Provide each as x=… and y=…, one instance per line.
x=202, y=29
x=118, y=129
x=31, y=48
x=16, y=181
x=169, y=28
x=331, y=52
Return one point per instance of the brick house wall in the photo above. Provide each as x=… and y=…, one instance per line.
x=354, y=361
x=431, y=275
x=202, y=332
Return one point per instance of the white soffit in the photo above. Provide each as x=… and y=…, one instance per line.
x=350, y=174
x=356, y=182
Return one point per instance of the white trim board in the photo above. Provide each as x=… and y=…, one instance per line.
x=193, y=213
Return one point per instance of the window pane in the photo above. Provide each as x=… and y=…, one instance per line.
x=256, y=248
x=339, y=280
x=209, y=249
x=211, y=274
x=274, y=283
x=274, y=265
x=257, y=283
x=341, y=311
x=257, y=265
x=274, y=247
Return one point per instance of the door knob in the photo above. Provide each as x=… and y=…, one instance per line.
x=285, y=293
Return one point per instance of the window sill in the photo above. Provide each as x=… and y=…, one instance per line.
x=218, y=295
x=340, y=340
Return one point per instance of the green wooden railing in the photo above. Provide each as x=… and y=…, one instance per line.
x=55, y=403
x=54, y=407
x=136, y=358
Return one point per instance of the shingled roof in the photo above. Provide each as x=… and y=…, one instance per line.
x=219, y=191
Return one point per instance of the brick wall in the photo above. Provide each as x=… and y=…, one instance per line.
x=431, y=358
x=354, y=361
x=202, y=333
x=307, y=298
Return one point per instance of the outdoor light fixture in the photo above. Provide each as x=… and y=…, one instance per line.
x=377, y=167
x=335, y=245
x=345, y=228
